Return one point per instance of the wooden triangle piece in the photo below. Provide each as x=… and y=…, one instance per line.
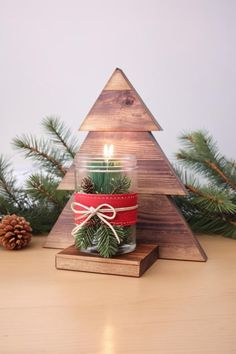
x=155, y=174
x=118, y=81
x=159, y=222
x=119, y=108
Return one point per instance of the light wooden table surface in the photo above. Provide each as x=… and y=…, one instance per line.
x=176, y=307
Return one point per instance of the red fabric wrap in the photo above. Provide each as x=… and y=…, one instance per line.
x=124, y=218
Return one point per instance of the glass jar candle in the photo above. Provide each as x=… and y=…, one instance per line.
x=105, y=204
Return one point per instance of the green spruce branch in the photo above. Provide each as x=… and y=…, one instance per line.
x=61, y=136
x=210, y=205
x=43, y=188
x=41, y=151
x=38, y=200
x=11, y=196
x=201, y=155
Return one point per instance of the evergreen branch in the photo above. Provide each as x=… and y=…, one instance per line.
x=213, y=199
x=110, y=181
x=44, y=188
x=124, y=233
x=8, y=188
x=208, y=197
x=6, y=206
x=39, y=202
x=41, y=216
x=121, y=184
x=208, y=207
x=202, y=156
x=84, y=237
x=13, y=200
x=212, y=224
x=220, y=172
x=208, y=169
x=232, y=165
x=61, y=135
x=40, y=151
x=106, y=242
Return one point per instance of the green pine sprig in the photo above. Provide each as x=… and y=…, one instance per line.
x=43, y=188
x=41, y=151
x=121, y=184
x=210, y=205
x=201, y=155
x=106, y=242
x=84, y=237
x=61, y=136
x=99, y=235
x=38, y=200
x=12, y=197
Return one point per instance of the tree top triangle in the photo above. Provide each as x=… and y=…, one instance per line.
x=119, y=108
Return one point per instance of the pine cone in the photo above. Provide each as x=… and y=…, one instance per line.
x=87, y=185
x=15, y=232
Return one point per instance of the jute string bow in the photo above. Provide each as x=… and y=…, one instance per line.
x=99, y=211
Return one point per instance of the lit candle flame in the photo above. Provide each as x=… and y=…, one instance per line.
x=108, y=151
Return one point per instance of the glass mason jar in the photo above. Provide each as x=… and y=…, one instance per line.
x=105, y=204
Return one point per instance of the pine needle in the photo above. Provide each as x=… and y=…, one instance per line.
x=61, y=135
x=43, y=188
x=8, y=188
x=201, y=155
x=210, y=180
x=42, y=151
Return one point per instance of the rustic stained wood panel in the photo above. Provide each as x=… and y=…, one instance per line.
x=141, y=144
x=155, y=173
x=159, y=222
x=118, y=81
x=131, y=264
x=60, y=234
x=119, y=108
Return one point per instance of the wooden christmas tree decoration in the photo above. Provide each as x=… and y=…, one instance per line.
x=120, y=117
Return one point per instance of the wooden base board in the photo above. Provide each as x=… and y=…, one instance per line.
x=132, y=264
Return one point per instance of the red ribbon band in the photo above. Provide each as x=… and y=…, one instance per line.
x=123, y=218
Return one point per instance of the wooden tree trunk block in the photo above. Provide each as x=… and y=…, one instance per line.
x=132, y=264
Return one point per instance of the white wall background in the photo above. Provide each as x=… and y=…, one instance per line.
x=56, y=55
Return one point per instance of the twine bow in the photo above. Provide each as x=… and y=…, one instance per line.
x=99, y=211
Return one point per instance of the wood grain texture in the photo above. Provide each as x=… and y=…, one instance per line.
x=132, y=264
x=119, y=108
x=155, y=173
x=118, y=81
x=60, y=234
x=159, y=222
